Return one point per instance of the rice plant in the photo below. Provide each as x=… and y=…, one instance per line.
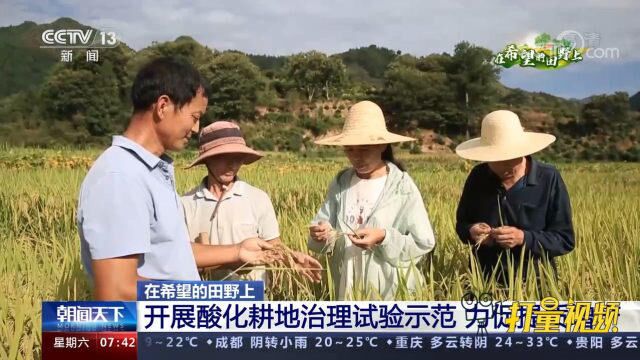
x=40, y=250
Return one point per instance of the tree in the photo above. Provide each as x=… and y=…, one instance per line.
x=372, y=59
x=235, y=86
x=89, y=101
x=92, y=96
x=112, y=63
x=474, y=77
x=516, y=97
x=184, y=47
x=335, y=74
x=607, y=113
x=542, y=39
x=415, y=97
x=313, y=72
x=432, y=91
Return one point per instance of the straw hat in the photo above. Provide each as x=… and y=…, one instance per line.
x=364, y=126
x=503, y=138
x=223, y=137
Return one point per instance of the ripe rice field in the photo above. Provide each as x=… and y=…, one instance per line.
x=39, y=245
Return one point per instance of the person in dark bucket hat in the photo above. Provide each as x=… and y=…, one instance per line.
x=225, y=210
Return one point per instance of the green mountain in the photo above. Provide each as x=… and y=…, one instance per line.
x=23, y=64
x=634, y=101
x=45, y=102
x=364, y=64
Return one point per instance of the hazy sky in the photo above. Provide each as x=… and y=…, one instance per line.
x=418, y=27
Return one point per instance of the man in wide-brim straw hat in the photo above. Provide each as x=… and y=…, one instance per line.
x=512, y=204
x=225, y=211
x=378, y=200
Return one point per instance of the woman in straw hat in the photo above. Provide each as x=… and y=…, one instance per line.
x=226, y=211
x=512, y=205
x=373, y=223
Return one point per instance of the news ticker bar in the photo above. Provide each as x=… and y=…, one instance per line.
x=378, y=345
x=195, y=346
x=174, y=318
x=387, y=316
x=338, y=316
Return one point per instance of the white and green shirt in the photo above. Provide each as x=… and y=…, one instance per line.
x=399, y=210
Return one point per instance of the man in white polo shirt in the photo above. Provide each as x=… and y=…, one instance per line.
x=243, y=212
x=129, y=215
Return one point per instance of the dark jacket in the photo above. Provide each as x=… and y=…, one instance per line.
x=539, y=205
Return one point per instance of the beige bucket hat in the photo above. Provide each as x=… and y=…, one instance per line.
x=503, y=138
x=364, y=126
x=223, y=137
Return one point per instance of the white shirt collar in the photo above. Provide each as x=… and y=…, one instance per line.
x=237, y=189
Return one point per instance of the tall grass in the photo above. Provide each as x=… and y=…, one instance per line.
x=39, y=246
